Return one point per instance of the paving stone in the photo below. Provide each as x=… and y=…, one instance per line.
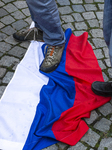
x=19, y=24
x=7, y=20
x=7, y=1
x=107, y=61
x=106, y=142
x=1, y=54
x=2, y=72
x=78, y=33
x=96, y=33
x=15, y=66
x=90, y=7
x=99, y=42
x=101, y=6
x=62, y=145
x=89, y=15
x=90, y=138
x=20, y=4
x=1, y=25
x=63, y=2
x=1, y=4
x=8, y=61
x=93, y=23
x=68, y=25
x=28, y=20
x=3, y=12
x=99, y=15
x=110, y=72
x=11, y=40
x=101, y=64
x=106, y=52
x=18, y=15
x=111, y=118
x=101, y=23
x=10, y=8
x=77, y=1
x=67, y=18
x=7, y=77
x=92, y=118
x=88, y=1
x=105, y=77
x=78, y=8
x=93, y=47
x=99, y=1
x=81, y=26
x=106, y=109
x=4, y=47
x=8, y=30
x=2, y=88
x=26, y=12
x=52, y=147
x=98, y=53
x=65, y=10
x=77, y=17
x=78, y=146
x=103, y=125
x=17, y=51
x=25, y=44
x=2, y=36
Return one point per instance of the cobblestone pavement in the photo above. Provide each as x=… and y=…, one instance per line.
x=80, y=16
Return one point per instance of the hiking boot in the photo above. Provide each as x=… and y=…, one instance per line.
x=102, y=88
x=28, y=35
x=52, y=58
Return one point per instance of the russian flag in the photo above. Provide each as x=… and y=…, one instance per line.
x=67, y=97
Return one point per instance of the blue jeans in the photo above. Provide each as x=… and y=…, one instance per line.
x=107, y=26
x=46, y=17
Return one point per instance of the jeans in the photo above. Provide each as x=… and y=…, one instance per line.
x=46, y=17
x=107, y=26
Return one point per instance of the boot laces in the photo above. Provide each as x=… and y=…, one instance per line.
x=50, y=56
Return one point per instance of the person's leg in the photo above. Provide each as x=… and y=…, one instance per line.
x=105, y=88
x=46, y=16
x=107, y=26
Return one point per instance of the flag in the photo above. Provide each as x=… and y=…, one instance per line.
x=67, y=98
x=39, y=109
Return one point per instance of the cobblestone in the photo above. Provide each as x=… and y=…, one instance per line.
x=90, y=7
x=63, y=2
x=77, y=17
x=8, y=30
x=103, y=125
x=107, y=61
x=65, y=10
x=17, y=51
x=78, y=8
x=91, y=138
x=105, y=77
x=7, y=77
x=10, y=8
x=89, y=15
x=96, y=33
x=98, y=53
x=105, y=109
x=2, y=72
x=106, y=143
x=101, y=64
x=80, y=16
x=92, y=118
x=78, y=146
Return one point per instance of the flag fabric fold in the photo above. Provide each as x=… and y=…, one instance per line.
x=57, y=102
